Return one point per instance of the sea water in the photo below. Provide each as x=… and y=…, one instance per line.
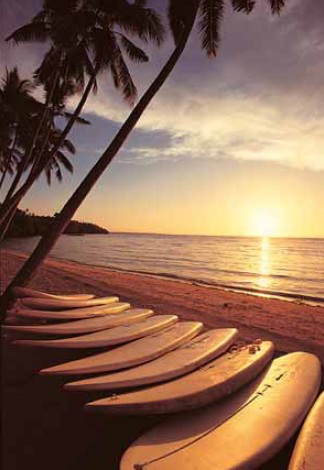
x=291, y=268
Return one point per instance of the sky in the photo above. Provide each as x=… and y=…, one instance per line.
x=229, y=146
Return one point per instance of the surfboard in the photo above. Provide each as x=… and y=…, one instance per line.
x=136, y=352
x=85, y=326
x=184, y=359
x=212, y=382
x=74, y=313
x=241, y=432
x=308, y=453
x=27, y=292
x=55, y=304
x=111, y=337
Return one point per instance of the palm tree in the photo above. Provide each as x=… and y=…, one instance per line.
x=95, y=44
x=181, y=19
x=45, y=148
x=9, y=154
x=20, y=115
x=17, y=107
x=58, y=160
x=53, y=162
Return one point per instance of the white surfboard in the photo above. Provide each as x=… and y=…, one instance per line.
x=241, y=432
x=88, y=325
x=184, y=359
x=27, y=292
x=308, y=453
x=55, y=304
x=73, y=313
x=111, y=337
x=136, y=352
x=212, y=382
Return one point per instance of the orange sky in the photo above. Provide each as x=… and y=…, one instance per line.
x=233, y=146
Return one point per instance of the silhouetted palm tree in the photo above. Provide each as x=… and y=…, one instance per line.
x=19, y=119
x=59, y=159
x=87, y=38
x=17, y=107
x=50, y=163
x=182, y=16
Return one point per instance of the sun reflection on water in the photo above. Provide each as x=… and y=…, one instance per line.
x=265, y=263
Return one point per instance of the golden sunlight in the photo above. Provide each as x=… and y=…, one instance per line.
x=265, y=264
x=265, y=224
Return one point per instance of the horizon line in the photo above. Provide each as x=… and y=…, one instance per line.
x=123, y=232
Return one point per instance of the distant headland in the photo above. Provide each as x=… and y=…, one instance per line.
x=26, y=224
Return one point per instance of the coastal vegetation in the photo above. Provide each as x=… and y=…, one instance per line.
x=20, y=150
x=82, y=45
x=25, y=224
x=103, y=18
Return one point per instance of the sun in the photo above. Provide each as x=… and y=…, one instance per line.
x=265, y=223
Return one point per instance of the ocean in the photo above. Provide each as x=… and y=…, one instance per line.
x=289, y=268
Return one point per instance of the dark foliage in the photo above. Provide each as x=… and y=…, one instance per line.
x=28, y=225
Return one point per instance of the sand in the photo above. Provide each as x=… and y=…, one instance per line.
x=42, y=423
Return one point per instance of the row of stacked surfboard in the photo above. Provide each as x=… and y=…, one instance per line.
x=232, y=405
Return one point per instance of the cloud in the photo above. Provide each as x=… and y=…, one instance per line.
x=260, y=100
x=240, y=130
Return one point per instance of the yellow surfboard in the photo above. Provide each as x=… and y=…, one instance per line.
x=180, y=361
x=212, y=382
x=111, y=337
x=139, y=351
x=242, y=432
x=56, y=304
x=27, y=292
x=309, y=449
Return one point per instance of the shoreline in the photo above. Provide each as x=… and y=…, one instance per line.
x=305, y=299
x=38, y=414
x=284, y=296
x=289, y=323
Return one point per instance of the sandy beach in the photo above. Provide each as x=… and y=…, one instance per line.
x=290, y=325
x=41, y=420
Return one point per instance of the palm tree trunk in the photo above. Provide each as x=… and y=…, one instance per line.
x=14, y=183
x=38, y=157
x=6, y=207
x=5, y=223
x=61, y=221
x=6, y=220
x=5, y=171
x=9, y=158
x=35, y=172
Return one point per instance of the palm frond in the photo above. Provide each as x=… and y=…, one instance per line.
x=123, y=80
x=276, y=5
x=60, y=6
x=48, y=174
x=67, y=144
x=138, y=20
x=179, y=16
x=104, y=47
x=40, y=17
x=78, y=120
x=134, y=52
x=32, y=32
x=211, y=14
x=61, y=158
x=50, y=64
x=59, y=175
x=153, y=28
x=95, y=87
x=243, y=5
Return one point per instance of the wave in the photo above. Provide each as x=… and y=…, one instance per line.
x=285, y=268
x=306, y=298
